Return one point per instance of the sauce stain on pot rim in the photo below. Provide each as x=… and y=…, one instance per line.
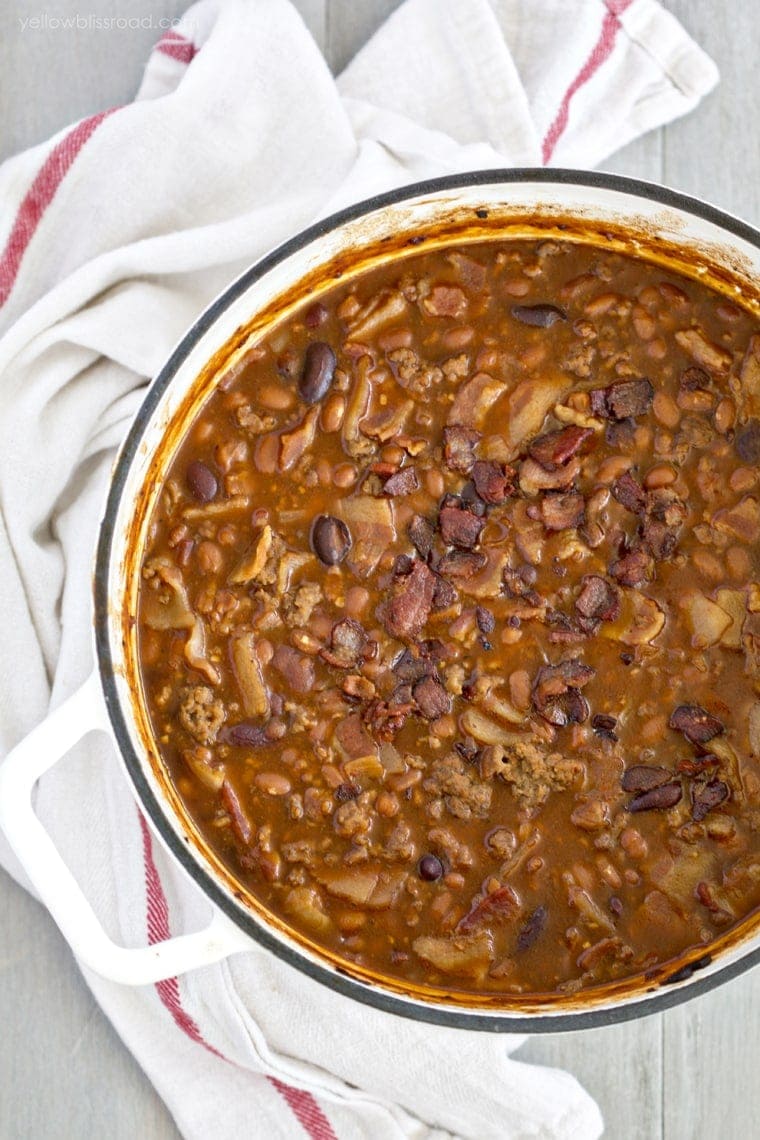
x=721, y=266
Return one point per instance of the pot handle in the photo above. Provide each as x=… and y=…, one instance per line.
x=82, y=713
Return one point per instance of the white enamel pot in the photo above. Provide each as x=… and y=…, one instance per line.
x=651, y=221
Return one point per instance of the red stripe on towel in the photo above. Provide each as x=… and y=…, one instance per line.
x=601, y=51
x=304, y=1106
x=158, y=931
x=39, y=196
x=176, y=47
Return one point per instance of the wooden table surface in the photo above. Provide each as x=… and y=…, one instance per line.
x=689, y=1074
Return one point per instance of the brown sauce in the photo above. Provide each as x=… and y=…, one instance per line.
x=449, y=618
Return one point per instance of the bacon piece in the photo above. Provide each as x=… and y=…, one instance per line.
x=241, y=825
x=409, y=608
x=461, y=565
x=634, y=568
x=501, y=903
x=459, y=528
x=431, y=697
x=403, y=482
x=459, y=447
x=598, y=599
x=623, y=399
x=556, y=448
x=629, y=493
x=494, y=482
x=562, y=511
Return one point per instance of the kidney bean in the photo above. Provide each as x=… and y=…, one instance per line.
x=657, y=799
x=201, y=481
x=643, y=777
x=318, y=372
x=541, y=316
x=747, y=442
x=430, y=868
x=243, y=735
x=330, y=539
x=315, y=315
x=533, y=928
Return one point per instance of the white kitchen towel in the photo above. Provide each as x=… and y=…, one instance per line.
x=114, y=235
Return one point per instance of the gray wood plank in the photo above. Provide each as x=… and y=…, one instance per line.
x=710, y=1047
x=64, y=1073
x=714, y=152
x=620, y=1065
x=710, y=1061
x=643, y=158
x=350, y=24
x=54, y=74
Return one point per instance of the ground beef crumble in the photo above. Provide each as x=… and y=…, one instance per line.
x=201, y=713
x=459, y=786
x=533, y=773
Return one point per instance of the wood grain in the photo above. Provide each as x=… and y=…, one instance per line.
x=689, y=1074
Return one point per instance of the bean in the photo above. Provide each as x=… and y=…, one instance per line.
x=695, y=401
x=657, y=799
x=725, y=414
x=660, y=476
x=395, y=338
x=210, y=558
x=275, y=397
x=633, y=843
x=517, y=286
x=324, y=471
x=345, y=475
x=315, y=315
x=272, y=783
x=387, y=804
x=430, y=868
x=243, y=735
x=392, y=454
x=666, y=410
x=330, y=539
x=332, y=413
x=318, y=372
x=601, y=304
x=455, y=339
x=533, y=928
x=201, y=481
x=748, y=442
x=540, y=316
x=267, y=453
x=672, y=294
x=613, y=467
x=643, y=324
x=357, y=600
x=435, y=482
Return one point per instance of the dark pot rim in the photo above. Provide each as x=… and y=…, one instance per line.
x=662, y=995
